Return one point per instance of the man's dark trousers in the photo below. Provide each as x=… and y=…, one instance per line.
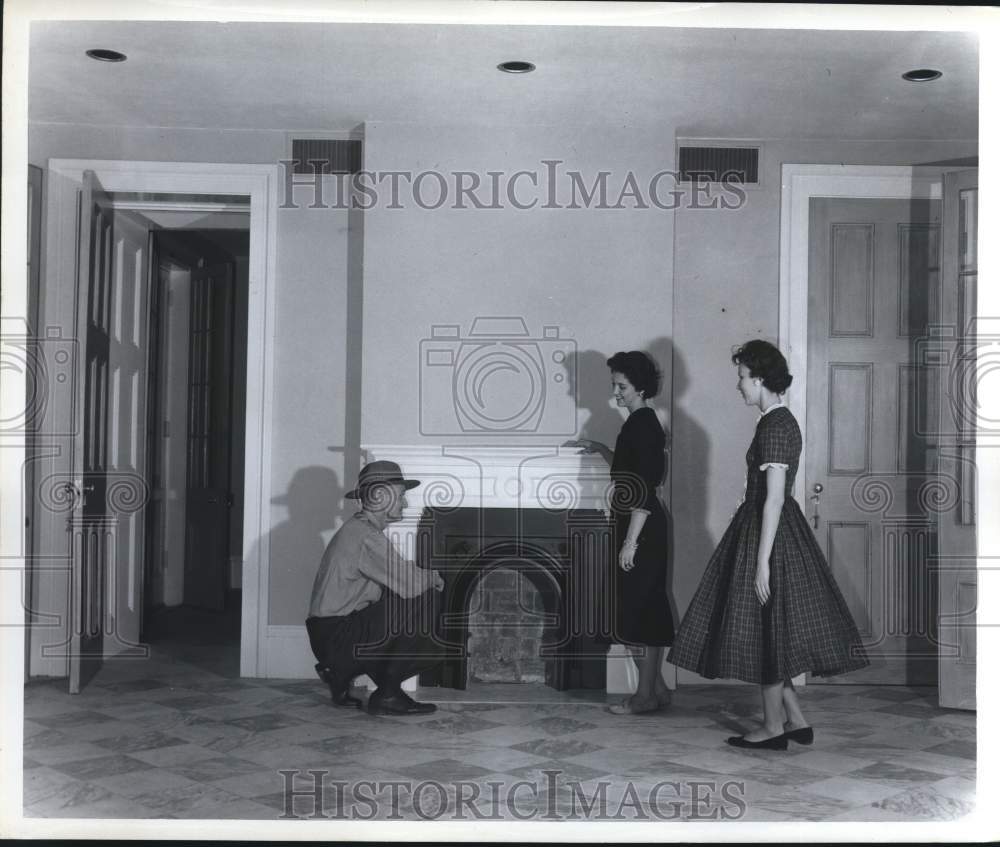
x=390, y=640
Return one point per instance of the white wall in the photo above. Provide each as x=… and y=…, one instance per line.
x=310, y=402
x=604, y=277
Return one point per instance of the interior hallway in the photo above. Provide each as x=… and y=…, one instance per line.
x=180, y=735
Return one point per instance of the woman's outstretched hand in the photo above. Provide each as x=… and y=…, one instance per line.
x=762, y=584
x=585, y=445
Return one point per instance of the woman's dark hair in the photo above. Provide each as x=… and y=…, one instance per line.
x=765, y=362
x=639, y=369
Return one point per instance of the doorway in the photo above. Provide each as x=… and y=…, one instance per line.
x=917, y=313
x=58, y=572
x=192, y=576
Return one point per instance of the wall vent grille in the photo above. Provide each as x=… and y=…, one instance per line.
x=718, y=164
x=326, y=155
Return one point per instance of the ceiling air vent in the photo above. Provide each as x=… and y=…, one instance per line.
x=326, y=156
x=718, y=164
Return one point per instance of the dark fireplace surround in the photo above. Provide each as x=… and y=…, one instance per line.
x=565, y=555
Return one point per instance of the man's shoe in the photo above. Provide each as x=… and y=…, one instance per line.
x=397, y=704
x=421, y=708
x=339, y=691
x=346, y=700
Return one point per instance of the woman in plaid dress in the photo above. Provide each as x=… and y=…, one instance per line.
x=767, y=608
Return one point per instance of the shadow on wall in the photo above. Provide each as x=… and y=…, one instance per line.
x=690, y=542
x=314, y=502
x=590, y=384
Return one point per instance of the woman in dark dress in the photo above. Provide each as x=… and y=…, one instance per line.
x=641, y=615
x=767, y=608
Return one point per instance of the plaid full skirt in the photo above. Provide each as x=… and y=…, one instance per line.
x=805, y=626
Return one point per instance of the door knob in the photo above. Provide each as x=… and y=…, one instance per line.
x=817, y=490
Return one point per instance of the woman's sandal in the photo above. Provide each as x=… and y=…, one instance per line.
x=625, y=707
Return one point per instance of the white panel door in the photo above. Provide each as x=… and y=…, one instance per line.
x=91, y=525
x=129, y=365
x=874, y=291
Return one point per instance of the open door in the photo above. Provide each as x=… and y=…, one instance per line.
x=91, y=524
x=210, y=386
x=957, y=450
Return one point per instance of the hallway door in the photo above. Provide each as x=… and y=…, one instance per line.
x=874, y=289
x=957, y=454
x=210, y=386
x=91, y=525
x=127, y=443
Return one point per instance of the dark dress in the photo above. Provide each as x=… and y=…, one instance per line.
x=641, y=614
x=805, y=626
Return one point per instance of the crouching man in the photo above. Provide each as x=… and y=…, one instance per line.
x=372, y=611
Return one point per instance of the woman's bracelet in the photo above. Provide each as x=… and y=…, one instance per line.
x=631, y=545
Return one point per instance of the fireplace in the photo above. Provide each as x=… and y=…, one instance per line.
x=562, y=554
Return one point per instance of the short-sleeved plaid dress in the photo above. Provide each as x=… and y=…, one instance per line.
x=805, y=626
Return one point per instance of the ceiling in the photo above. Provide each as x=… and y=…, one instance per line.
x=326, y=76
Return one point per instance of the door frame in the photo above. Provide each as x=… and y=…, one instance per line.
x=261, y=183
x=799, y=184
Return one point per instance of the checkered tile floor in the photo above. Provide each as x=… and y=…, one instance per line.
x=164, y=738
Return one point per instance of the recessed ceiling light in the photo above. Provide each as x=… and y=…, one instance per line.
x=922, y=75
x=516, y=67
x=106, y=55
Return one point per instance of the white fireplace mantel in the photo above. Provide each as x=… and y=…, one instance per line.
x=552, y=478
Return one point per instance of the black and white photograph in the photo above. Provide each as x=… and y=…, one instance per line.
x=473, y=421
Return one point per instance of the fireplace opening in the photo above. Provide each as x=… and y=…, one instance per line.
x=507, y=618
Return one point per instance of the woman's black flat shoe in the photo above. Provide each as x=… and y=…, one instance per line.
x=778, y=742
x=803, y=735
